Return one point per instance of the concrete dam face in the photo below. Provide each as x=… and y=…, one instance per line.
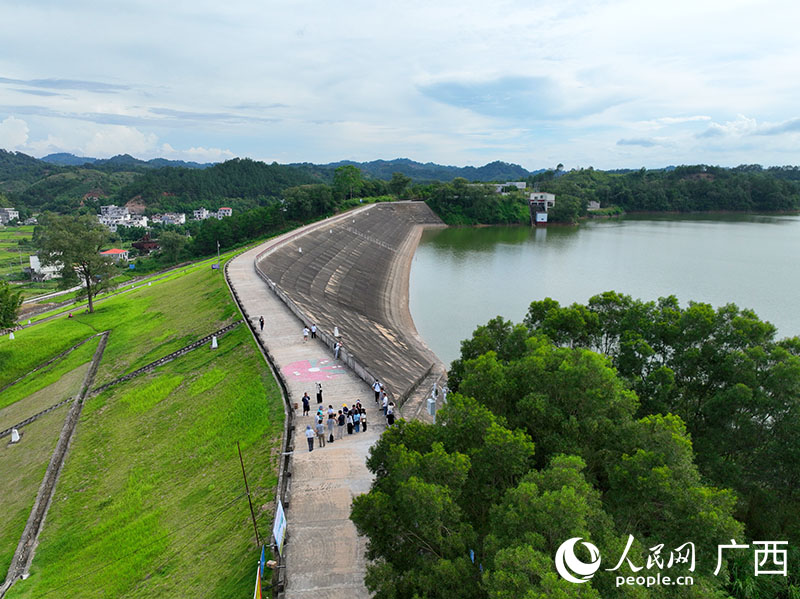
x=351, y=274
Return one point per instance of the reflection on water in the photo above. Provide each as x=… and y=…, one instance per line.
x=462, y=277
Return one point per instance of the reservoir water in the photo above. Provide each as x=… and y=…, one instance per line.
x=462, y=277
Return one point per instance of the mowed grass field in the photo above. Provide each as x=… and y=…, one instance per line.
x=147, y=323
x=10, y=251
x=151, y=502
x=23, y=465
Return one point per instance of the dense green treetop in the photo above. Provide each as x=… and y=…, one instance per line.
x=599, y=421
x=73, y=243
x=10, y=301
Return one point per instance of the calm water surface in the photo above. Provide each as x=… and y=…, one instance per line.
x=461, y=278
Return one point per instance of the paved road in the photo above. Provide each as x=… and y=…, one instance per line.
x=324, y=555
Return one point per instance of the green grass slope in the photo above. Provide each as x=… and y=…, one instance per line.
x=146, y=324
x=151, y=502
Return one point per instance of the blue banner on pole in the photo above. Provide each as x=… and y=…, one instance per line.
x=215, y=266
x=262, y=562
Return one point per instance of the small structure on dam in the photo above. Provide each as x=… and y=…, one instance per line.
x=539, y=202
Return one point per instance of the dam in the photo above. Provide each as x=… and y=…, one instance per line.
x=348, y=275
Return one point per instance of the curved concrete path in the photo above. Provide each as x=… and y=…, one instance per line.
x=324, y=555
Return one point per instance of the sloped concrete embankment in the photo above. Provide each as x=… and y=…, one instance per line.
x=352, y=274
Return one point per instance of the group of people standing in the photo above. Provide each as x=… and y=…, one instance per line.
x=383, y=402
x=353, y=419
x=312, y=330
x=330, y=425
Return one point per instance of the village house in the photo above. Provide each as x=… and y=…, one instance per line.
x=7, y=215
x=499, y=187
x=41, y=273
x=170, y=218
x=116, y=255
x=200, y=214
x=145, y=244
x=118, y=216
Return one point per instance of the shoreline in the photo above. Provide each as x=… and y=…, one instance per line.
x=396, y=298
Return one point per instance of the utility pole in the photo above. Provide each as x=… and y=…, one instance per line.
x=252, y=513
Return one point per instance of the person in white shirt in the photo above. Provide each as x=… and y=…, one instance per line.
x=376, y=387
x=310, y=434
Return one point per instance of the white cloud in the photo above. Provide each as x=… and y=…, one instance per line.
x=199, y=154
x=51, y=145
x=279, y=82
x=666, y=121
x=110, y=140
x=13, y=133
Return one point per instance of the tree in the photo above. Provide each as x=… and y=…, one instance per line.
x=10, y=301
x=172, y=245
x=347, y=181
x=399, y=183
x=73, y=244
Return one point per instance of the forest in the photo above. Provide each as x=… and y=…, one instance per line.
x=456, y=194
x=636, y=426
x=700, y=188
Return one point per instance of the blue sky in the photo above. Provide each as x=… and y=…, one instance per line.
x=586, y=83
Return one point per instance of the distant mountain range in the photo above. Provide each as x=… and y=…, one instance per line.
x=121, y=160
x=376, y=169
x=429, y=171
x=65, y=182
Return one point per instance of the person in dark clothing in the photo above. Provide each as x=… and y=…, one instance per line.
x=319, y=392
x=261, y=322
x=306, y=404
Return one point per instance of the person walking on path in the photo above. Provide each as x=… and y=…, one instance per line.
x=376, y=387
x=319, y=392
x=336, y=348
x=305, y=334
x=310, y=437
x=320, y=433
x=356, y=421
x=349, y=423
x=385, y=404
x=314, y=331
x=306, y=403
x=340, y=425
x=261, y=322
x=390, y=414
x=331, y=411
x=331, y=424
x=364, y=420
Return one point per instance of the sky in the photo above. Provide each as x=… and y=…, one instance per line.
x=608, y=84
